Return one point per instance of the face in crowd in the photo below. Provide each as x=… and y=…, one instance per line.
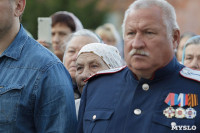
x=191, y=53
x=73, y=47
x=10, y=12
x=108, y=34
x=192, y=56
x=60, y=33
x=63, y=24
x=180, y=48
x=148, y=44
x=95, y=57
x=183, y=39
x=88, y=64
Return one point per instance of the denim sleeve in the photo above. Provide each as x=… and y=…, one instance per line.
x=55, y=107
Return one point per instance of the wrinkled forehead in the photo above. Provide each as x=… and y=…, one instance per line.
x=88, y=58
x=193, y=49
x=145, y=16
x=147, y=11
x=193, y=46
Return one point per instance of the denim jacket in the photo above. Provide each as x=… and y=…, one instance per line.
x=36, y=93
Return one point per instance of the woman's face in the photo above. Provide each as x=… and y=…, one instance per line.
x=60, y=33
x=88, y=64
x=180, y=48
x=108, y=40
x=192, y=56
x=74, y=46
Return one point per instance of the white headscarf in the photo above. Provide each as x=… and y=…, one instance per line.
x=109, y=54
x=77, y=22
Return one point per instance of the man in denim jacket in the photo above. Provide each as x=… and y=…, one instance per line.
x=36, y=92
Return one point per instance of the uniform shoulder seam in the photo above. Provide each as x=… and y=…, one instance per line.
x=108, y=71
x=190, y=74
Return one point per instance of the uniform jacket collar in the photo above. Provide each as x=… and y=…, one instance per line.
x=167, y=70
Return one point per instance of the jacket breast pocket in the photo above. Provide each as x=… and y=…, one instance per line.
x=162, y=124
x=9, y=101
x=96, y=121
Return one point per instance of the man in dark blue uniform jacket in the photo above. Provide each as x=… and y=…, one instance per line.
x=154, y=94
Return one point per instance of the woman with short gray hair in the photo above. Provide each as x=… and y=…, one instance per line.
x=73, y=45
x=191, y=53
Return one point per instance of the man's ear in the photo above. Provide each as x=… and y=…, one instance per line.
x=19, y=7
x=176, y=38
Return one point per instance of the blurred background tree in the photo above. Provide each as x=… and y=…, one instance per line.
x=87, y=12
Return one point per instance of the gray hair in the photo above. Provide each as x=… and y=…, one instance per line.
x=169, y=15
x=193, y=40
x=83, y=32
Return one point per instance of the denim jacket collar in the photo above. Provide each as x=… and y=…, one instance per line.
x=15, y=48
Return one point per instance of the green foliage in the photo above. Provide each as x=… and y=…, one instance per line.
x=88, y=14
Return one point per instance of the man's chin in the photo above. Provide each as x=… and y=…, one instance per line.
x=58, y=53
x=137, y=59
x=138, y=67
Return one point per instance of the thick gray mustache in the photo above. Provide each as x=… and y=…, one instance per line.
x=137, y=51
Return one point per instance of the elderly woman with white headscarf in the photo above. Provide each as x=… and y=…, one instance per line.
x=92, y=58
x=95, y=57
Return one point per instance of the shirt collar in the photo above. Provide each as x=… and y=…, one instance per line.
x=15, y=48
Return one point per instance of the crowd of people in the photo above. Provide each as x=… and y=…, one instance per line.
x=89, y=83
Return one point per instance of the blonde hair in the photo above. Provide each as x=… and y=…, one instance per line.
x=109, y=31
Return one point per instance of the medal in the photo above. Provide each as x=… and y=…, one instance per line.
x=192, y=100
x=190, y=113
x=172, y=99
x=181, y=100
x=169, y=112
x=180, y=113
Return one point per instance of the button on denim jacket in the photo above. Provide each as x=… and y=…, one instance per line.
x=36, y=93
